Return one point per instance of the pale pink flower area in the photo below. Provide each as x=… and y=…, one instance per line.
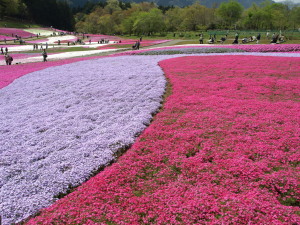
x=295, y=48
x=223, y=150
x=12, y=32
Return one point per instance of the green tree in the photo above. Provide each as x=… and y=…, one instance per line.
x=51, y=13
x=112, y=6
x=195, y=17
x=295, y=17
x=127, y=24
x=174, y=18
x=229, y=12
x=149, y=22
x=9, y=7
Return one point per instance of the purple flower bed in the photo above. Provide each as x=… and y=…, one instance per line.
x=12, y=32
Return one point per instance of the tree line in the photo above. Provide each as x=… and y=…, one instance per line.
x=148, y=18
x=117, y=17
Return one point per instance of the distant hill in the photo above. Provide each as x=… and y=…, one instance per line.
x=180, y=3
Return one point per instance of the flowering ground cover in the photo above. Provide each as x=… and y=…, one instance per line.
x=188, y=50
x=14, y=31
x=246, y=48
x=269, y=47
x=8, y=38
x=224, y=150
x=73, y=122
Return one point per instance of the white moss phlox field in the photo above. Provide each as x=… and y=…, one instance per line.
x=60, y=124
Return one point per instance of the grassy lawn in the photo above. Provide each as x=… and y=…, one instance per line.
x=60, y=50
x=292, y=37
x=14, y=23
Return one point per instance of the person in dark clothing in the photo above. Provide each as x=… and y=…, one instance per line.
x=44, y=54
x=236, y=39
x=134, y=46
x=223, y=39
x=211, y=40
x=8, y=59
x=2, y=52
x=274, y=38
x=201, y=39
x=258, y=38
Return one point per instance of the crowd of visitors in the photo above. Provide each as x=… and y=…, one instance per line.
x=275, y=38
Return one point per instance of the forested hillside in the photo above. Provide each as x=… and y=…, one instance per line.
x=181, y=3
x=54, y=13
x=147, y=18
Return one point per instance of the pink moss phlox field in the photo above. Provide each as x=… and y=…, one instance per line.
x=248, y=48
x=224, y=150
x=14, y=31
x=2, y=38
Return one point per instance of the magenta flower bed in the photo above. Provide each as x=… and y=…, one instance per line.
x=224, y=150
x=15, y=31
x=8, y=38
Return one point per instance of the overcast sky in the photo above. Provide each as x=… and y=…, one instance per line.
x=295, y=1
